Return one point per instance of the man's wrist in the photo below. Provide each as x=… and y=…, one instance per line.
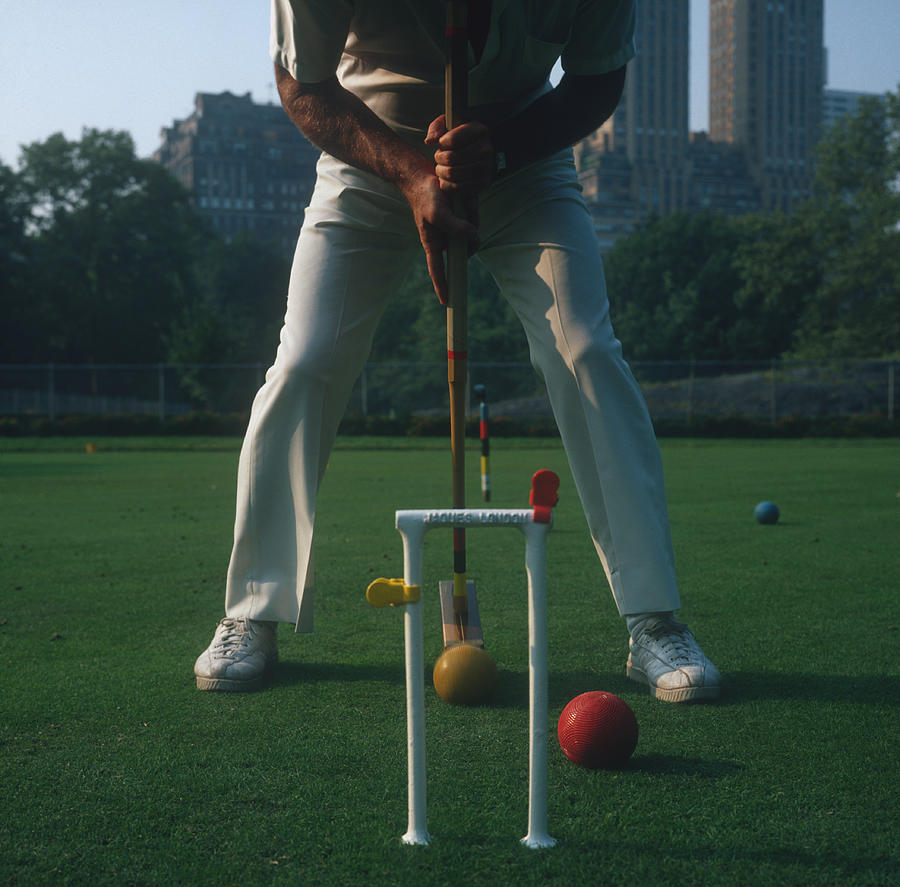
x=408, y=173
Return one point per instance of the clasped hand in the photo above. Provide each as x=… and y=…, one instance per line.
x=464, y=165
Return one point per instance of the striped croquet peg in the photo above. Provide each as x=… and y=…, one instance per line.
x=484, y=435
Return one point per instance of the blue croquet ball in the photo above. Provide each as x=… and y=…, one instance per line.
x=766, y=513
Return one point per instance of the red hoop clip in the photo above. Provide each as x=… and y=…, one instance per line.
x=544, y=495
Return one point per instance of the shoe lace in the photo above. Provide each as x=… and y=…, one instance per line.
x=675, y=641
x=231, y=636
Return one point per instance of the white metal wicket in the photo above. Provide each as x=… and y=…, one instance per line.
x=413, y=525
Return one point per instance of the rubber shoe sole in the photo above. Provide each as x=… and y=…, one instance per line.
x=676, y=694
x=230, y=685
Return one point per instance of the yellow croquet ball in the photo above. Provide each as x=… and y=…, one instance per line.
x=465, y=675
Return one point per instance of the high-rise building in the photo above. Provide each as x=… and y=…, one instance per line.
x=837, y=103
x=248, y=167
x=643, y=160
x=719, y=180
x=651, y=123
x=766, y=80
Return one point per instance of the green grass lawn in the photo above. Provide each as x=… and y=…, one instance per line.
x=116, y=770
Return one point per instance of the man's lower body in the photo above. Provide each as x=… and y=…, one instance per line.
x=354, y=250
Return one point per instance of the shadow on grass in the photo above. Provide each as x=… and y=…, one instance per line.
x=781, y=865
x=742, y=686
x=290, y=673
x=567, y=685
x=512, y=687
x=670, y=765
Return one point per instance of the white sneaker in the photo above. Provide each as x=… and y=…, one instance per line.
x=241, y=652
x=667, y=658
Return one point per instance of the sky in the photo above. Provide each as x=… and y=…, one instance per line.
x=123, y=64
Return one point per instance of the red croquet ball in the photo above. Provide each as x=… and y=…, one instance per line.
x=597, y=729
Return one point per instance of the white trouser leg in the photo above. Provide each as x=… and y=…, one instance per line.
x=354, y=249
x=540, y=245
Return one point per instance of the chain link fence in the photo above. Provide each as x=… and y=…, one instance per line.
x=675, y=391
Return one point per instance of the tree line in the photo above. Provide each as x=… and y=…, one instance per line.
x=103, y=259
x=823, y=282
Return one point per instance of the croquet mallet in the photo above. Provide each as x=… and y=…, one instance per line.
x=459, y=603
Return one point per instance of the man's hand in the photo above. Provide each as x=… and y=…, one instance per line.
x=437, y=223
x=339, y=123
x=464, y=164
x=465, y=159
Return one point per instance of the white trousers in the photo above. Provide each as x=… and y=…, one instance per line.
x=355, y=247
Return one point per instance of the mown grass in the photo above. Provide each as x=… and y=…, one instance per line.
x=116, y=770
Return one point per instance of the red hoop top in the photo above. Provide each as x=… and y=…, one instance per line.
x=544, y=495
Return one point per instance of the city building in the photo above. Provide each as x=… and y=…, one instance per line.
x=637, y=158
x=644, y=161
x=719, y=178
x=653, y=113
x=837, y=103
x=248, y=167
x=606, y=187
x=766, y=95
x=766, y=77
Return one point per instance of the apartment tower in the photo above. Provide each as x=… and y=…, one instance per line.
x=248, y=167
x=651, y=123
x=765, y=90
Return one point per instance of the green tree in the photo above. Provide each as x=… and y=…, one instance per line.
x=245, y=285
x=780, y=265
x=234, y=319
x=112, y=243
x=854, y=217
x=672, y=287
x=22, y=321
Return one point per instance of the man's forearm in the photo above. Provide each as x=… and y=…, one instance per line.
x=340, y=124
x=558, y=119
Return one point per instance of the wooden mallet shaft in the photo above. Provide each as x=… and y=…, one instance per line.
x=456, y=89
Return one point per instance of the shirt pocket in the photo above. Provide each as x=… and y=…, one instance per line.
x=549, y=22
x=546, y=29
x=539, y=56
